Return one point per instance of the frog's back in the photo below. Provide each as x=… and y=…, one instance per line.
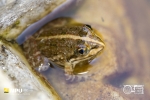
x=62, y=45
x=58, y=44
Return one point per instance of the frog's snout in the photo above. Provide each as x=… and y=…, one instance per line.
x=101, y=46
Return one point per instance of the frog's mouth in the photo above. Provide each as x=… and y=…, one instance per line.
x=88, y=58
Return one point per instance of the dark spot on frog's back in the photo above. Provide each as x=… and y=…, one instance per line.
x=75, y=30
x=89, y=26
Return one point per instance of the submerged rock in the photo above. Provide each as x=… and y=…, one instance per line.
x=24, y=81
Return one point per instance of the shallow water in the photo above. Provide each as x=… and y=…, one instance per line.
x=125, y=34
x=124, y=27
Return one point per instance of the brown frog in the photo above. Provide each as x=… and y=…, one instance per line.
x=65, y=46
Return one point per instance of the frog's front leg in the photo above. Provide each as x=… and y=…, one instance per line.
x=68, y=68
x=69, y=71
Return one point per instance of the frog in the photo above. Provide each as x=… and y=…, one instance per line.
x=65, y=46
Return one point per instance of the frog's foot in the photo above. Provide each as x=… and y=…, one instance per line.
x=70, y=78
x=69, y=72
x=45, y=65
x=78, y=78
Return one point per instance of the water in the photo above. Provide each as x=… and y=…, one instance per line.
x=125, y=53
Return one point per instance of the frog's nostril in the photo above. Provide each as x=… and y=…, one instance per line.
x=95, y=47
x=98, y=46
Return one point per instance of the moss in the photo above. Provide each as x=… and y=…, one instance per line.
x=4, y=33
x=7, y=30
x=15, y=24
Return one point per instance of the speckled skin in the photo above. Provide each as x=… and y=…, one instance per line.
x=39, y=47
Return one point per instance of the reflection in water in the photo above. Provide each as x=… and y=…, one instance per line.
x=118, y=78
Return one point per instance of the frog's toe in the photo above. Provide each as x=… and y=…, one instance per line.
x=77, y=78
x=43, y=68
x=70, y=78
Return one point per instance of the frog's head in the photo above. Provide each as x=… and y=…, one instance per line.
x=88, y=46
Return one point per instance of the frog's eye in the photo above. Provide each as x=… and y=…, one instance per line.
x=81, y=51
